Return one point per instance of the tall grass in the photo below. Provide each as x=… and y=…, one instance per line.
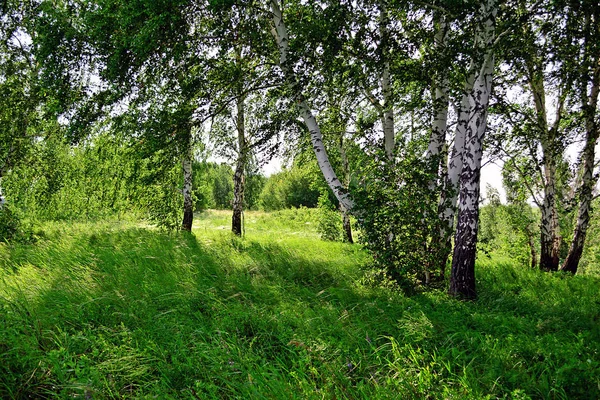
x=118, y=310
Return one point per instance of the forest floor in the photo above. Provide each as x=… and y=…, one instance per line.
x=116, y=310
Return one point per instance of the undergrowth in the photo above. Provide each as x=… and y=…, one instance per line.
x=118, y=310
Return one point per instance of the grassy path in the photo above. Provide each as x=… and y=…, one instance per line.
x=115, y=310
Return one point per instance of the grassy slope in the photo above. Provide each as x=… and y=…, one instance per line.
x=114, y=310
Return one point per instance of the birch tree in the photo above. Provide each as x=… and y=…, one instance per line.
x=282, y=38
x=133, y=53
x=440, y=98
x=449, y=195
x=588, y=79
x=537, y=135
x=243, y=57
x=387, y=108
x=462, y=278
x=545, y=55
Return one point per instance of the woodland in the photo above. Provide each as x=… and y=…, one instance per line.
x=144, y=253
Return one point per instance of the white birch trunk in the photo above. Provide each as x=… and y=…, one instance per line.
x=449, y=196
x=571, y=263
x=440, y=99
x=281, y=36
x=239, y=175
x=462, y=279
x=590, y=110
x=389, y=137
x=387, y=117
x=549, y=236
x=437, y=141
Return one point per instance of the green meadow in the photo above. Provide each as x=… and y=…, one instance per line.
x=118, y=309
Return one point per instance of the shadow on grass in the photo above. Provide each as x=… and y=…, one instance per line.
x=136, y=312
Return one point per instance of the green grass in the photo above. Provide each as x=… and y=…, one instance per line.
x=118, y=310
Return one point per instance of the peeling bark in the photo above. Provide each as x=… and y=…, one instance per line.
x=462, y=277
x=282, y=38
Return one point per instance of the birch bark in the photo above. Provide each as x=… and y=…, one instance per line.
x=437, y=141
x=281, y=35
x=590, y=107
x=462, y=278
x=389, y=139
x=549, y=236
x=439, y=124
x=239, y=175
x=449, y=196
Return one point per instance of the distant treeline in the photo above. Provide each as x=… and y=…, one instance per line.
x=107, y=177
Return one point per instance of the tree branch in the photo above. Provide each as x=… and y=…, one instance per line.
x=522, y=174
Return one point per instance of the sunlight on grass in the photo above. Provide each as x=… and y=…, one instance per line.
x=114, y=309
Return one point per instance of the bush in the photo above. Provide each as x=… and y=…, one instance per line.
x=9, y=224
x=398, y=212
x=289, y=188
x=12, y=227
x=330, y=222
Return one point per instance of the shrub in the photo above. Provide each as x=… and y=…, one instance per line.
x=13, y=228
x=289, y=188
x=9, y=224
x=398, y=212
x=330, y=222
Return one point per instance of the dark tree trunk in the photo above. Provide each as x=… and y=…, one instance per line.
x=462, y=276
x=347, y=227
x=188, y=204
x=531, y=243
x=188, y=220
x=571, y=263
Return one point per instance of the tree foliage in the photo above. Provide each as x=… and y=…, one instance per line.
x=106, y=105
